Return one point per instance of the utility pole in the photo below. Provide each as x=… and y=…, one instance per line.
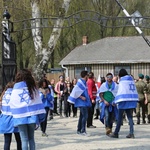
x=9, y=66
x=133, y=23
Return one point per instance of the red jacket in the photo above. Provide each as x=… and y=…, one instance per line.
x=91, y=89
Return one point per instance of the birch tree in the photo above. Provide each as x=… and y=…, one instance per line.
x=43, y=53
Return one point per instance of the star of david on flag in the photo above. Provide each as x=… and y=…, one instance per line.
x=132, y=87
x=6, y=97
x=24, y=96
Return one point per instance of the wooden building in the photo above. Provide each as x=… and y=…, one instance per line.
x=109, y=55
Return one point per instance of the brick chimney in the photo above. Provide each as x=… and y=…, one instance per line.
x=84, y=40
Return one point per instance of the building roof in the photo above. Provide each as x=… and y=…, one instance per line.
x=131, y=49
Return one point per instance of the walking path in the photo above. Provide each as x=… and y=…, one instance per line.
x=62, y=136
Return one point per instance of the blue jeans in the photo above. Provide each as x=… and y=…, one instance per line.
x=120, y=117
x=109, y=117
x=82, y=119
x=27, y=136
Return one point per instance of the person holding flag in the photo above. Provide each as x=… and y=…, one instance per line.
x=108, y=91
x=80, y=98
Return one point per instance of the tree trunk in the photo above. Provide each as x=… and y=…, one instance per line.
x=43, y=54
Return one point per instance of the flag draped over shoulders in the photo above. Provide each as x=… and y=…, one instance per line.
x=21, y=103
x=77, y=91
x=104, y=88
x=5, y=102
x=127, y=90
x=6, y=119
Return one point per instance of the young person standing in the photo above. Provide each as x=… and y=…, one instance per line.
x=26, y=107
x=47, y=100
x=108, y=91
x=6, y=119
x=126, y=100
x=59, y=88
x=80, y=97
x=92, y=90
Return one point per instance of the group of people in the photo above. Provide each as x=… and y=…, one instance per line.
x=117, y=96
x=26, y=104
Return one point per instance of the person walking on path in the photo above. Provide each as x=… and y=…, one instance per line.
x=67, y=105
x=108, y=91
x=74, y=109
x=126, y=100
x=7, y=121
x=59, y=88
x=142, y=93
x=52, y=83
x=47, y=100
x=92, y=90
x=26, y=107
x=79, y=96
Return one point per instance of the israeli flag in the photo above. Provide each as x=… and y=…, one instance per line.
x=127, y=90
x=21, y=103
x=77, y=91
x=105, y=87
x=5, y=102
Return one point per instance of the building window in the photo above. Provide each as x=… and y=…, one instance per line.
x=117, y=69
x=79, y=69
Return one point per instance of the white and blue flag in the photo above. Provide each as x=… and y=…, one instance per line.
x=127, y=90
x=21, y=103
x=5, y=102
x=77, y=91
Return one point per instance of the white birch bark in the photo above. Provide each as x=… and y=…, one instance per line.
x=43, y=54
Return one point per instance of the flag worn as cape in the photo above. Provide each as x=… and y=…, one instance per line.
x=127, y=90
x=22, y=105
x=104, y=88
x=5, y=102
x=77, y=91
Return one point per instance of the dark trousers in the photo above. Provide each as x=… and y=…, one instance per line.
x=44, y=123
x=55, y=105
x=61, y=99
x=7, y=141
x=74, y=110
x=142, y=105
x=67, y=108
x=90, y=115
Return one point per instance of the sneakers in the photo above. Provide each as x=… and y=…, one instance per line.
x=82, y=133
x=113, y=135
x=85, y=134
x=44, y=134
x=130, y=136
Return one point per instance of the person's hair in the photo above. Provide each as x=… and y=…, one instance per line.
x=8, y=85
x=41, y=83
x=103, y=80
x=109, y=74
x=83, y=73
x=91, y=75
x=73, y=81
x=61, y=76
x=25, y=75
x=122, y=73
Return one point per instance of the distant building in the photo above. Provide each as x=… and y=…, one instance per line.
x=109, y=55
